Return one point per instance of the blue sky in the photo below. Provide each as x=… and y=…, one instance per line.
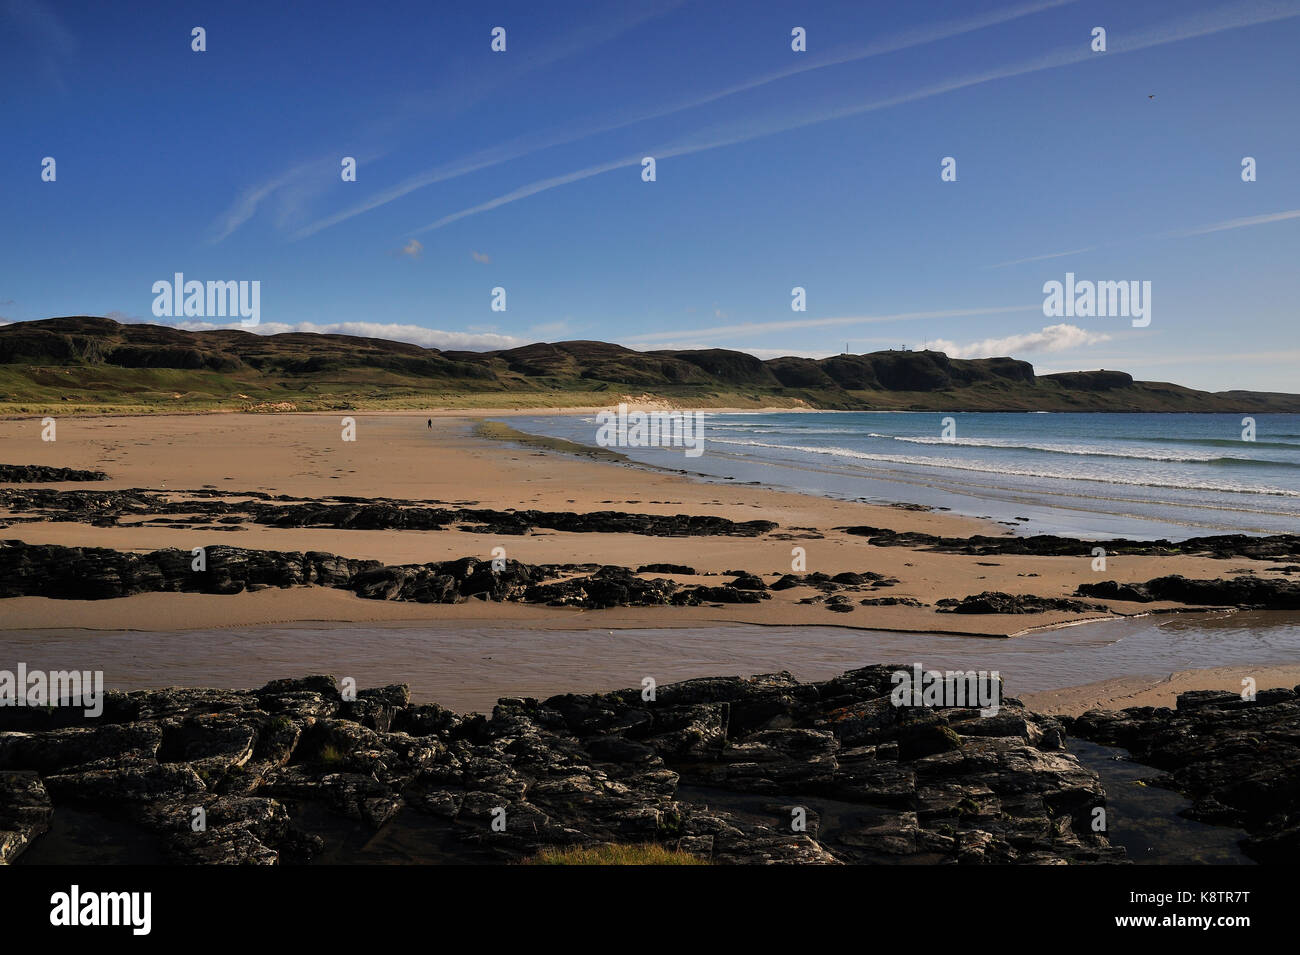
x=775, y=169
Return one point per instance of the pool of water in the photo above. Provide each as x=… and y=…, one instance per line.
x=470, y=667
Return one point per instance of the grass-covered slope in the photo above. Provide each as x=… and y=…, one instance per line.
x=83, y=363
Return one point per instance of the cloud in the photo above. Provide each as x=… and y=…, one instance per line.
x=749, y=328
x=1234, y=17
x=480, y=257
x=1040, y=258
x=1053, y=338
x=589, y=32
x=245, y=207
x=413, y=248
x=1241, y=223
x=45, y=33
x=527, y=145
x=414, y=334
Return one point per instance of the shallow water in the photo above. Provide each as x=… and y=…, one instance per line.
x=1145, y=819
x=1086, y=475
x=470, y=667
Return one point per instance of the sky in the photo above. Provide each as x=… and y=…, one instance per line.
x=775, y=168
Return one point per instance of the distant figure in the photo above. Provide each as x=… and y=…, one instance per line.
x=430, y=424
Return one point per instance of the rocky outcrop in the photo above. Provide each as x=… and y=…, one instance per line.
x=758, y=770
x=1245, y=592
x=207, y=507
x=1223, y=546
x=1238, y=760
x=97, y=573
x=993, y=601
x=827, y=584
x=25, y=812
x=41, y=474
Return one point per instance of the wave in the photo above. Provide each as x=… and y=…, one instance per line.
x=1018, y=472
x=1151, y=454
x=1083, y=450
x=1218, y=442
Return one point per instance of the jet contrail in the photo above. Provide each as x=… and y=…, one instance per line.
x=1186, y=29
x=525, y=146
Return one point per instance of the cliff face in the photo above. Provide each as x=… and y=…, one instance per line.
x=88, y=358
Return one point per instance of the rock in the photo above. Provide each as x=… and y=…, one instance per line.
x=991, y=601
x=25, y=812
x=208, y=506
x=1235, y=759
x=41, y=474
x=1222, y=546
x=1246, y=592
x=267, y=766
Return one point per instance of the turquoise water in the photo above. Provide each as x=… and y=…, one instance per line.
x=1137, y=475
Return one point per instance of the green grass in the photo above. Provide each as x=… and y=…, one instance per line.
x=107, y=389
x=616, y=854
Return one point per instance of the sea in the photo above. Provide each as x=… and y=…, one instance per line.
x=1090, y=475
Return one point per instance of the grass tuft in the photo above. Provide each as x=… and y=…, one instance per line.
x=616, y=854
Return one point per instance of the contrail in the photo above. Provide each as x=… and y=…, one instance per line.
x=525, y=146
x=1186, y=29
x=1241, y=223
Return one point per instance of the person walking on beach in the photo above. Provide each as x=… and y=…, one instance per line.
x=430, y=424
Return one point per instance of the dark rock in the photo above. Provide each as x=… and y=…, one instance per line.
x=991, y=601
x=41, y=474
x=923, y=785
x=24, y=812
x=1252, y=592
x=1238, y=760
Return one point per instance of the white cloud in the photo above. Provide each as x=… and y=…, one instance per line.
x=752, y=328
x=414, y=334
x=1053, y=338
x=413, y=248
x=481, y=257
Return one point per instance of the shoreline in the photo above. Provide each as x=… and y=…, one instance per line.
x=299, y=459
x=1118, y=693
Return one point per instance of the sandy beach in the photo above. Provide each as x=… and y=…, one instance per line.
x=1137, y=690
x=398, y=456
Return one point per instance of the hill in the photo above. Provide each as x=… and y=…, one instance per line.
x=88, y=363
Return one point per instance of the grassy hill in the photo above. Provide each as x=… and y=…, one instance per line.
x=83, y=363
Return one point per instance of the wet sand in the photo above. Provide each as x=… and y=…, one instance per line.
x=398, y=456
x=470, y=666
x=1123, y=692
